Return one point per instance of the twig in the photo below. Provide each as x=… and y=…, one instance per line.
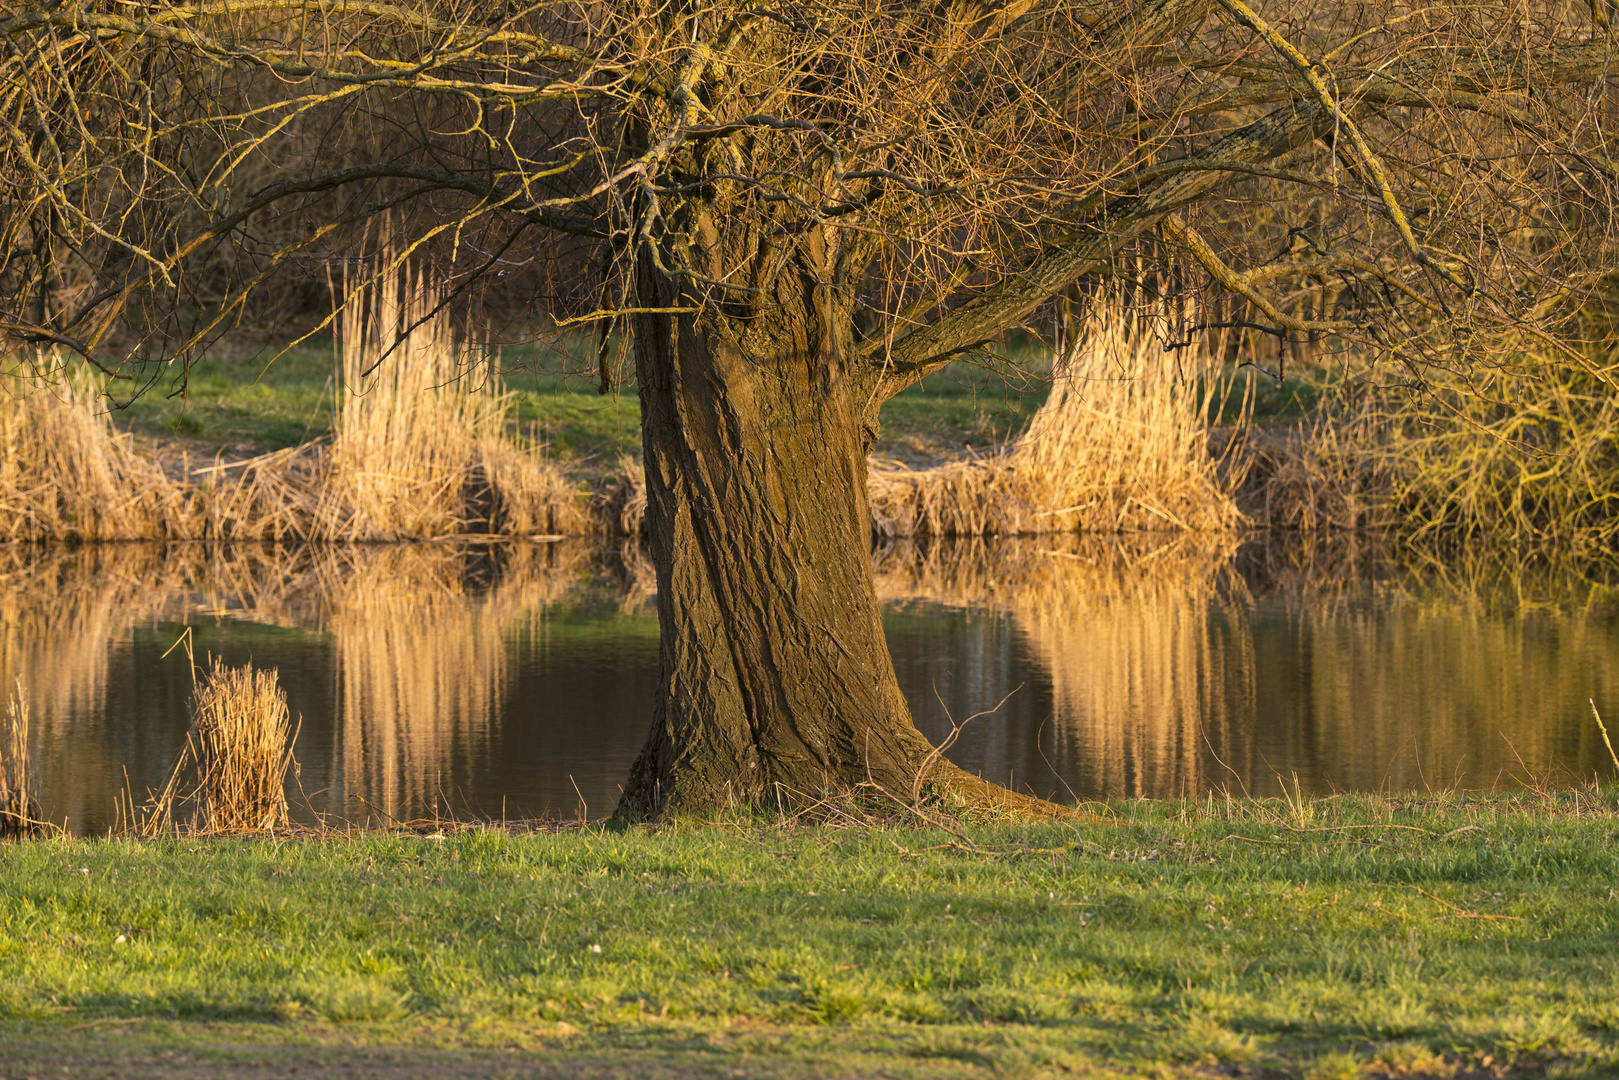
x=1604, y=729
x=1459, y=913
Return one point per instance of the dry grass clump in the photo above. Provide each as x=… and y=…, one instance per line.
x=1322, y=475
x=1121, y=444
x=421, y=448
x=65, y=472
x=19, y=791
x=421, y=451
x=239, y=750
x=618, y=504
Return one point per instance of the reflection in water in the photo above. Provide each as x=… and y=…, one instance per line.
x=1119, y=635
x=1171, y=667
x=517, y=679
x=424, y=675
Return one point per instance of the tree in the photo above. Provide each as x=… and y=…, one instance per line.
x=799, y=209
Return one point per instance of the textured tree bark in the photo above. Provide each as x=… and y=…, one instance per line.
x=776, y=681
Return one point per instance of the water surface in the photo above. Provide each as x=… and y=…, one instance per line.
x=516, y=680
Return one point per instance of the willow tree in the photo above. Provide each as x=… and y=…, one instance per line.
x=798, y=209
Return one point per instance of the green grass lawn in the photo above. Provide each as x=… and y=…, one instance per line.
x=1337, y=938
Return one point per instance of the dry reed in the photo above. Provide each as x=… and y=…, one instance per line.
x=20, y=813
x=1121, y=444
x=65, y=472
x=421, y=450
x=240, y=748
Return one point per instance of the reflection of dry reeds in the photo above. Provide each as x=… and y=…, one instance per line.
x=1120, y=445
x=1120, y=625
x=421, y=638
x=19, y=788
x=1181, y=665
x=422, y=669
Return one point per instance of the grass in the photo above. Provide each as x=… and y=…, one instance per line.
x=1301, y=938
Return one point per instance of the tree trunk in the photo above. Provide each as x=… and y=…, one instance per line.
x=776, y=683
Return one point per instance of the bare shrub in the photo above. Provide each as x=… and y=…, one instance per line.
x=1525, y=453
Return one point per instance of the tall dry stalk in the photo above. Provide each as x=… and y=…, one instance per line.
x=19, y=788
x=1121, y=444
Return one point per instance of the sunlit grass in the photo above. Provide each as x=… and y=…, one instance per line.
x=1449, y=931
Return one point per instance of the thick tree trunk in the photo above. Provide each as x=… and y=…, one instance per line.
x=776, y=680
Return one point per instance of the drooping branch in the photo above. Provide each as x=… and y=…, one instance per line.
x=1002, y=306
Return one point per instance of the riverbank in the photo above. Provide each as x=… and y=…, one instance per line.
x=240, y=405
x=1350, y=936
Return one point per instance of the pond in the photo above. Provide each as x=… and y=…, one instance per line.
x=516, y=680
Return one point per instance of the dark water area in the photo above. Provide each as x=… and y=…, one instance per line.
x=516, y=680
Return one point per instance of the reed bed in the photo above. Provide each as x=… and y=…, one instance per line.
x=1121, y=444
x=65, y=472
x=421, y=450
x=20, y=814
x=1324, y=475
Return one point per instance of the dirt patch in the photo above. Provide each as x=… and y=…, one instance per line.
x=108, y=1053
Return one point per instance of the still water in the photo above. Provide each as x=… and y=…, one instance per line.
x=516, y=680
